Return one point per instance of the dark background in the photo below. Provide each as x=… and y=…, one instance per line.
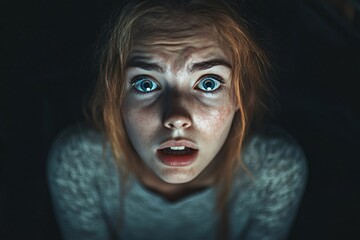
x=49, y=63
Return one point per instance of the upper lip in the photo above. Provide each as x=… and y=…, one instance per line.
x=178, y=143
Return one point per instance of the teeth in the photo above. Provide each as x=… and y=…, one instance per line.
x=178, y=148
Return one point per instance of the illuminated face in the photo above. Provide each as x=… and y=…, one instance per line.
x=178, y=108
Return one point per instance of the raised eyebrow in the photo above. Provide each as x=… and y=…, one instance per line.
x=209, y=64
x=141, y=63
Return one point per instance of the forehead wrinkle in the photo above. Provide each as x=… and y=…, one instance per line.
x=177, y=55
x=164, y=36
x=180, y=52
x=174, y=25
x=175, y=44
x=188, y=55
x=188, y=60
x=174, y=33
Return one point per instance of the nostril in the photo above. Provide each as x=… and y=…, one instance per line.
x=177, y=122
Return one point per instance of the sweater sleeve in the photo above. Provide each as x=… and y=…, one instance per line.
x=280, y=185
x=72, y=168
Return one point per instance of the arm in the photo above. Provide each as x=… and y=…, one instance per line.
x=280, y=183
x=73, y=187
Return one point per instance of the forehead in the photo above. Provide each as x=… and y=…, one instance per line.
x=182, y=43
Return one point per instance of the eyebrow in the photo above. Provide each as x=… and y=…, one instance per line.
x=209, y=64
x=140, y=63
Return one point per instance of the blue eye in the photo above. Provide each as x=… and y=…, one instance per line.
x=209, y=84
x=145, y=85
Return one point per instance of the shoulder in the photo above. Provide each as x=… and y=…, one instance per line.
x=278, y=169
x=272, y=150
x=77, y=137
x=75, y=153
x=80, y=177
x=277, y=164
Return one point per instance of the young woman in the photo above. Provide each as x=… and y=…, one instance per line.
x=176, y=153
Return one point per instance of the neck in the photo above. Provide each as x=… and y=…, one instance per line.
x=175, y=192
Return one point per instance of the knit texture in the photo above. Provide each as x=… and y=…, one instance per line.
x=89, y=203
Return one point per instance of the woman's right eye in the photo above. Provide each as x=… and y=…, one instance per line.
x=145, y=84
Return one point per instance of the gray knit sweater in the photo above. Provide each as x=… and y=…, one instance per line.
x=88, y=202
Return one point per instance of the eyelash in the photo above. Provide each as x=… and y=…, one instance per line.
x=216, y=77
x=134, y=80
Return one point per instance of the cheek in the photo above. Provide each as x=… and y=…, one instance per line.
x=140, y=122
x=215, y=121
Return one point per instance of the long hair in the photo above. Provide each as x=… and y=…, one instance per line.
x=250, y=67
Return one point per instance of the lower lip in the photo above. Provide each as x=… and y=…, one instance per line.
x=177, y=160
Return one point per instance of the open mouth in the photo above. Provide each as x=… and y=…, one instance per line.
x=177, y=156
x=178, y=151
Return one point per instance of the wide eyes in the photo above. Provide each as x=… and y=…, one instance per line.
x=145, y=84
x=209, y=83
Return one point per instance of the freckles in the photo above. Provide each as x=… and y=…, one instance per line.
x=143, y=116
x=142, y=121
x=224, y=114
x=214, y=120
x=136, y=117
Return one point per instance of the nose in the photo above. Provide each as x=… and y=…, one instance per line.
x=176, y=115
x=176, y=110
x=177, y=122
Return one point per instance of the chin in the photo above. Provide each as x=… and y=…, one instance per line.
x=177, y=176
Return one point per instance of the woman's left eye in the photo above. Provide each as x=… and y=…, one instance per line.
x=209, y=84
x=145, y=85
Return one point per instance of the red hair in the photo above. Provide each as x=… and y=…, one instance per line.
x=250, y=67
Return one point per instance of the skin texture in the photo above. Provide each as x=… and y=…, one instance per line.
x=178, y=108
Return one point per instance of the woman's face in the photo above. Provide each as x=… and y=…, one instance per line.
x=178, y=108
